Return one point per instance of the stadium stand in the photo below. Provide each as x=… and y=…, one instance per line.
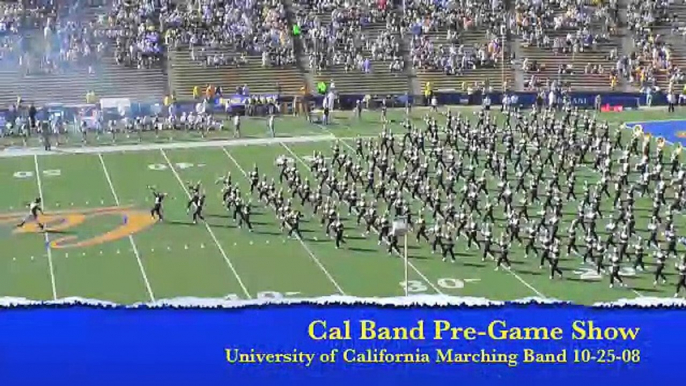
x=65, y=52
x=185, y=74
x=231, y=45
x=358, y=47
x=659, y=50
x=142, y=49
x=458, y=45
x=490, y=74
x=576, y=44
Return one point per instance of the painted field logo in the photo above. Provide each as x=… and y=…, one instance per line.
x=132, y=221
x=681, y=134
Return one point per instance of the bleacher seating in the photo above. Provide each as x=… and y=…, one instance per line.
x=70, y=85
x=180, y=71
x=578, y=77
x=379, y=80
x=490, y=77
x=109, y=81
x=672, y=34
x=185, y=74
x=582, y=66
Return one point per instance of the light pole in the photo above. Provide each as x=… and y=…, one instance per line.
x=400, y=229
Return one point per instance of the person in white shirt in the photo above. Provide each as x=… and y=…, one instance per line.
x=506, y=103
x=487, y=102
x=237, y=126
x=270, y=125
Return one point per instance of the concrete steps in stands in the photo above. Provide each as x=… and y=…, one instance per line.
x=380, y=81
x=579, y=80
x=109, y=80
x=496, y=77
x=185, y=74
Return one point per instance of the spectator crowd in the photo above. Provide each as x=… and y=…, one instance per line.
x=448, y=36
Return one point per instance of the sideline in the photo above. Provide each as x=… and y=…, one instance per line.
x=33, y=151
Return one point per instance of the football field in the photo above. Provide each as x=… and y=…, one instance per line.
x=103, y=244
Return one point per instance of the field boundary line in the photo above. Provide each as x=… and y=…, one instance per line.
x=133, y=243
x=302, y=242
x=209, y=229
x=45, y=232
x=25, y=152
x=409, y=263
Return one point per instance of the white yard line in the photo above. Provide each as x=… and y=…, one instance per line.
x=133, y=243
x=309, y=251
x=45, y=232
x=513, y=273
x=409, y=263
x=209, y=229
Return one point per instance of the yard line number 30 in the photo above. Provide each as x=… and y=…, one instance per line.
x=448, y=283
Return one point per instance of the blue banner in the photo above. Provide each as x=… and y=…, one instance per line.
x=341, y=345
x=583, y=100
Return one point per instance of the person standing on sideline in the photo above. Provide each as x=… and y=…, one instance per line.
x=671, y=101
x=45, y=132
x=270, y=125
x=237, y=126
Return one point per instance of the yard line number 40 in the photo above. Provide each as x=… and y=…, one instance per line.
x=45, y=173
x=178, y=165
x=265, y=295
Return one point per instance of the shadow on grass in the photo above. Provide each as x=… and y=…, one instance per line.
x=652, y=290
x=532, y=273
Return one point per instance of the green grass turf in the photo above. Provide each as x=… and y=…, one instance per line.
x=178, y=259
